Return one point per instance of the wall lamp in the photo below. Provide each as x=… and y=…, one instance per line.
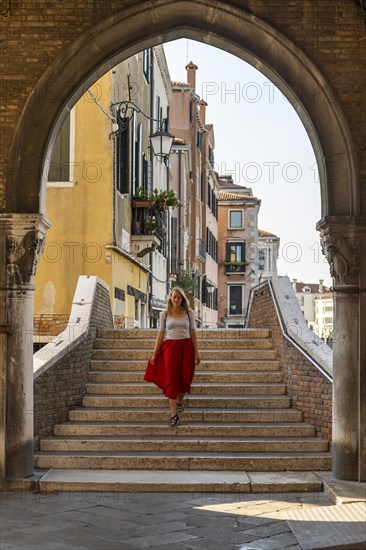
x=210, y=288
x=161, y=140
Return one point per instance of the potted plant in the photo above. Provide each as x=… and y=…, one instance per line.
x=163, y=199
x=141, y=198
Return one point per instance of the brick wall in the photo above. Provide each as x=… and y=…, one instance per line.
x=49, y=325
x=61, y=387
x=36, y=32
x=119, y=321
x=310, y=391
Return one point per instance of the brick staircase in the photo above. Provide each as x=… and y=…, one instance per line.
x=238, y=418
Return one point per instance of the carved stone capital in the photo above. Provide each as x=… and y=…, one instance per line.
x=22, y=241
x=343, y=254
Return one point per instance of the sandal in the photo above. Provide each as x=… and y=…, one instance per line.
x=180, y=407
x=174, y=420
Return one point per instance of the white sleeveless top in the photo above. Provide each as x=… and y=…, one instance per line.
x=177, y=328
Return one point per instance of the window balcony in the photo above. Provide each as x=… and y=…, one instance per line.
x=235, y=267
x=148, y=227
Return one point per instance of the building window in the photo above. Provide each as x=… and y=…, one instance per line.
x=199, y=141
x=139, y=157
x=59, y=169
x=62, y=159
x=235, y=257
x=235, y=299
x=236, y=219
x=147, y=64
x=262, y=260
x=235, y=252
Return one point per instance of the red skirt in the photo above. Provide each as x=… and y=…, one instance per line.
x=174, y=367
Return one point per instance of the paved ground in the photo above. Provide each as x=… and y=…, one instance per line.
x=167, y=521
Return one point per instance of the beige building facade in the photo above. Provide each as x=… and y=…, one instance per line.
x=101, y=158
x=195, y=225
x=237, y=254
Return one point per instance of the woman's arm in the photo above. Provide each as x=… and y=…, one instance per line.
x=197, y=359
x=159, y=339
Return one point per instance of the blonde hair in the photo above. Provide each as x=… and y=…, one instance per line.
x=184, y=304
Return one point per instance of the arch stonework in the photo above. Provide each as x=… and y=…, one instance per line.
x=297, y=51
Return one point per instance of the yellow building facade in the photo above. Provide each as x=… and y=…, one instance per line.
x=84, y=207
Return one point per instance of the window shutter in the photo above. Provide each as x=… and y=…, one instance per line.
x=148, y=175
x=123, y=157
x=228, y=250
x=174, y=241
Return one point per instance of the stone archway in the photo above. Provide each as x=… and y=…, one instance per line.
x=239, y=32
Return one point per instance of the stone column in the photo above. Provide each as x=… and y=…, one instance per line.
x=21, y=242
x=344, y=244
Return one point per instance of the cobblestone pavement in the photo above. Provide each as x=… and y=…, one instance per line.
x=167, y=521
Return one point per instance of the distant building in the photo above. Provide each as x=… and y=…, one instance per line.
x=268, y=247
x=324, y=315
x=316, y=303
x=194, y=227
x=238, y=246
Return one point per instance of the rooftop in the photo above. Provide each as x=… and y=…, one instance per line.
x=227, y=196
x=262, y=233
x=314, y=287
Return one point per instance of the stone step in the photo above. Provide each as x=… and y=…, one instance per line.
x=217, y=355
x=251, y=462
x=202, y=334
x=190, y=415
x=223, y=402
x=199, y=377
x=134, y=481
x=183, y=444
x=146, y=388
x=207, y=365
x=199, y=429
x=221, y=344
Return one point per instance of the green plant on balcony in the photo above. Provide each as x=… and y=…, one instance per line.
x=160, y=198
x=235, y=266
x=141, y=198
x=141, y=194
x=164, y=199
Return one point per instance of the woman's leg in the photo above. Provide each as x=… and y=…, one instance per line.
x=173, y=407
x=180, y=402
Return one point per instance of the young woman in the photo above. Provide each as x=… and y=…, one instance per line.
x=172, y=364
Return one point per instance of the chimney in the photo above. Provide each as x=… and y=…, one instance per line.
x=294, y=283
x=321, y=288
x=191, y=74
x=203, y=106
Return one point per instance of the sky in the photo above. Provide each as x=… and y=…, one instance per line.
x=262, y=143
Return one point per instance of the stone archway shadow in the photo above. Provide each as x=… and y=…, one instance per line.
x=238, y=32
